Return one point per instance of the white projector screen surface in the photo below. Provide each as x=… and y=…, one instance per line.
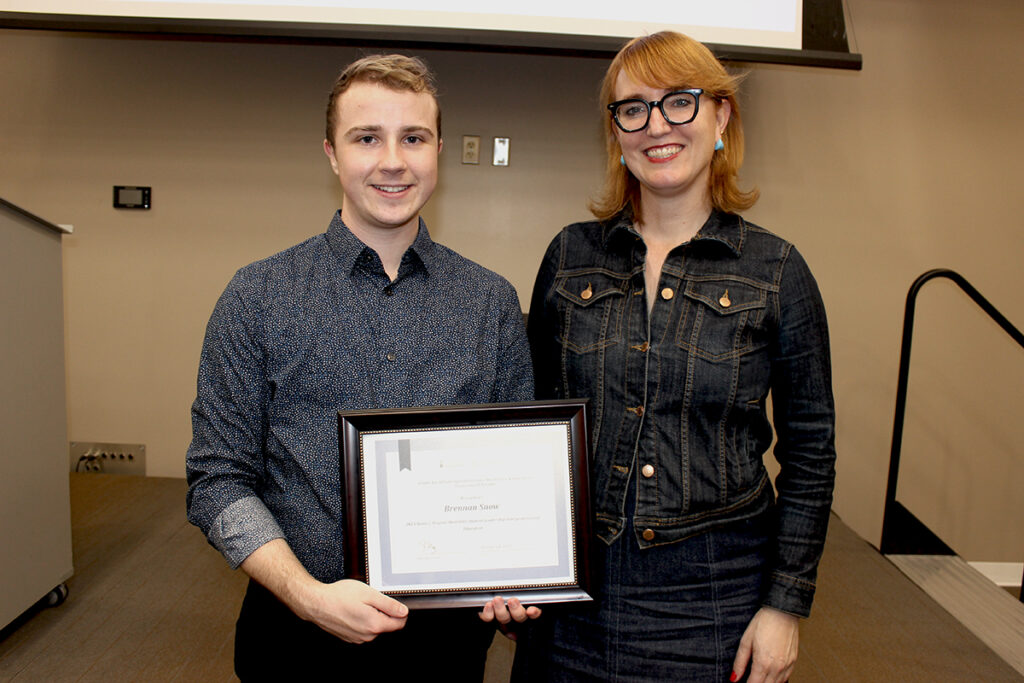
x=760, y=23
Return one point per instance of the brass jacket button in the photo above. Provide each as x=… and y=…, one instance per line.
x=667, y=293
x=647, y=470
x=648, y=534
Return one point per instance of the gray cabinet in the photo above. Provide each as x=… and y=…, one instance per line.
x=35, y=515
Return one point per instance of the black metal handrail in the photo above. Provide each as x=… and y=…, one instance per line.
x=896, y=517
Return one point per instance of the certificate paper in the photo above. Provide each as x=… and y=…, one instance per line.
x=466, y=505
x=471, y=508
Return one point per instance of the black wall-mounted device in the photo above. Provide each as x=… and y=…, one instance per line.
x=131, y=197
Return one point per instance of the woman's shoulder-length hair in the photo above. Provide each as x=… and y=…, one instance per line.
x=667, y=60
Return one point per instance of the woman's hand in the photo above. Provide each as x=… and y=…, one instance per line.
x=769, y=645
x=507, y=615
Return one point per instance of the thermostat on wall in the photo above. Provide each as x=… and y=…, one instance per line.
x=131, y=197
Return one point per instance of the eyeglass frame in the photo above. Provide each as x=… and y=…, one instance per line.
x=651, y=105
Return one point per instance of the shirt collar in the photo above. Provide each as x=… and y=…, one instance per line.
x=725, y=228
x=350, y=249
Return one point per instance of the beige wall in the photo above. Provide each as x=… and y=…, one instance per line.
x=876, y=175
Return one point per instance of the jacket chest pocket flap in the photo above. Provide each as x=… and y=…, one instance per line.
x=591, y=310
x=722, y=318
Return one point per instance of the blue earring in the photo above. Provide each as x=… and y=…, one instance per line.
x=719, y=145
x=622, y=160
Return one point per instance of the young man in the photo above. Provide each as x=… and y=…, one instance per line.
x=370, y=314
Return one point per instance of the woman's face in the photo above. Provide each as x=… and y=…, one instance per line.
x=671, y=161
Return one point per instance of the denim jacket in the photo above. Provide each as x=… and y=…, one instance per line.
x=678, y=397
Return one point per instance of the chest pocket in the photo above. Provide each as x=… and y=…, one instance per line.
x=722, y=319
x=591, y=308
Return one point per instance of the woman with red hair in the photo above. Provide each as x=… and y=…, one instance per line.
x=677, y=318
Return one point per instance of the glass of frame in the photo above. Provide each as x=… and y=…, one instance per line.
x=451, y=506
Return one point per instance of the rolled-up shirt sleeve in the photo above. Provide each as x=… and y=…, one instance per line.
x=241, y=528
x=224, y=465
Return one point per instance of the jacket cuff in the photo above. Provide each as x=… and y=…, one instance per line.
x=241, y=528
x=789, y=594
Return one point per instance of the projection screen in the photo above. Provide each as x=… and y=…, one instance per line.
x=755, y=30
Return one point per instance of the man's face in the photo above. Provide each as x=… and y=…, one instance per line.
x=385, y=155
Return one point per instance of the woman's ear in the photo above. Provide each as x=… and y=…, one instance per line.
x=722, y=115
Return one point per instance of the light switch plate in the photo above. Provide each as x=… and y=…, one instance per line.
x=501, y=147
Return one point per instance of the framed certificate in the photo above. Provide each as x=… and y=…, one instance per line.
x=450, y=506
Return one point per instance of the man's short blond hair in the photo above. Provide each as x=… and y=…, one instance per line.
x=396, y=72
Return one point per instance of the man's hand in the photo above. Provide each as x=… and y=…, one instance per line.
x=348, y=609
x=508, y=614
x=771, y=641
x=353, y=611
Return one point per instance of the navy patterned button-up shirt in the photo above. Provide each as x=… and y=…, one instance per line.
x=319, y=328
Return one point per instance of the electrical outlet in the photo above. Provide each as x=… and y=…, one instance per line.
x=108, y=458
x=471, y=149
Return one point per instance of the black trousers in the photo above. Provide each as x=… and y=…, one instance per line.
x=272, y=644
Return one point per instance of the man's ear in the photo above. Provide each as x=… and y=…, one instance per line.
x=440, y=144
x=329, y=151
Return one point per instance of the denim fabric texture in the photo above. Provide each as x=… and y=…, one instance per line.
x=672, y=612
x=679, y=397
x=320, y=328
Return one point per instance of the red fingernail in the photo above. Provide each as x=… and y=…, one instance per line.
x=734, y=677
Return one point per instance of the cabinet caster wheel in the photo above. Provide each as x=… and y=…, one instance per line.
x=57, y=596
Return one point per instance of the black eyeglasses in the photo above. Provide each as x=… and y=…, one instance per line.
x=677, y=107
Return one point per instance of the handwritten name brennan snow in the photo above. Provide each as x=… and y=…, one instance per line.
x=471, y=508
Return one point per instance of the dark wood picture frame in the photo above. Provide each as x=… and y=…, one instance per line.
x=353, y=426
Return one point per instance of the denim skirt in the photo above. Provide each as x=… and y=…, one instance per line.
x=669, y=613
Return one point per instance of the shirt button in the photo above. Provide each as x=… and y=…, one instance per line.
x=648, y=534
x=388, y=291
x=667, y=293
x=390, y=356
x=647, y=471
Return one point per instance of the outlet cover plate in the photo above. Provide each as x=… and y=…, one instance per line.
x=471, y=149
x=108, y=458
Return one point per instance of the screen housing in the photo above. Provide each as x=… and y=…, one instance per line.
x=823, y=37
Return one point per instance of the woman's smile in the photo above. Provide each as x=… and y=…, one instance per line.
x=663, y=152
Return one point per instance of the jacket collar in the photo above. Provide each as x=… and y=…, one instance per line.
x=728, y=229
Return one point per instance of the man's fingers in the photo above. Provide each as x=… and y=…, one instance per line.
x=388, y=605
